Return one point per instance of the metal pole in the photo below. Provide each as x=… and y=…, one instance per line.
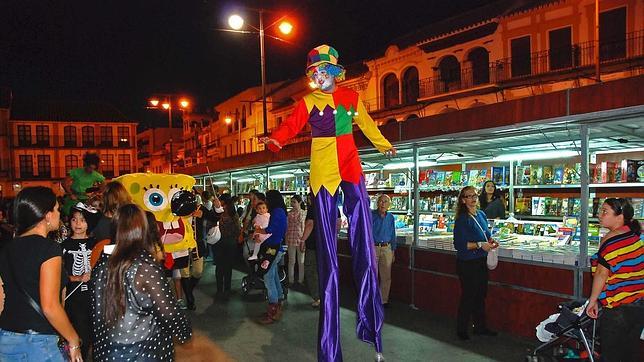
x=170, y=126
x=263, y=64
x=583, y=218
x=416, y=186
x=511, y=188
x=597, y=69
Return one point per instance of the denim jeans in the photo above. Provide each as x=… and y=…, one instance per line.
x=272, y=280
x=29, y=347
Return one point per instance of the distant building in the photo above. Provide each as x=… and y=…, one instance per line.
x=45, y=140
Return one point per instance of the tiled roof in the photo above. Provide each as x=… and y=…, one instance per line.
x=66, y=111
x=468, y=19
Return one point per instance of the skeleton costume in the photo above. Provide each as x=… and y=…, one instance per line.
x=76, y=255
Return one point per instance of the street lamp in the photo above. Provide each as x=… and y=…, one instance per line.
x=228, y=121
x=167, y=105
x=236, y=23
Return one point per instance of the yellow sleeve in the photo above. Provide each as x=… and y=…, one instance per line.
x=369, y=128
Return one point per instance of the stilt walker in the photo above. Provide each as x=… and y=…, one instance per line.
x=331, y=110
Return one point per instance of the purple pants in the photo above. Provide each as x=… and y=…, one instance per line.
x=370, y=312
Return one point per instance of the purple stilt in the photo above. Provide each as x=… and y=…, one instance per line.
x=370, y=312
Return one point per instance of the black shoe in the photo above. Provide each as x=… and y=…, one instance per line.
x=191, y=307
x=386, y=305
x=485, y=332
x=463, y=336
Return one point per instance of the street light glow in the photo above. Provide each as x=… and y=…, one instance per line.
x=165, y=105
x=285, y=27
x=236, y=22
x=184, y=103
x=228, y=120
x=154, y=102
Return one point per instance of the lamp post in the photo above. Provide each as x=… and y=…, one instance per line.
x=167, y=105
x=236, y=22
x=228, y=121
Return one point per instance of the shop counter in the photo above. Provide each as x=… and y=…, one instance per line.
x=521, y=293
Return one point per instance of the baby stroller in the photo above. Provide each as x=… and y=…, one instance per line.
x=255, y=279
x=571, y=323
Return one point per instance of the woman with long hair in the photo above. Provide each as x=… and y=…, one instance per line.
x=135, y=315
x=618, y=267
x=472, y=241
x=226, y=249
x=491, y=201
x=277, y=228
x=294, y=232
x=31, y=270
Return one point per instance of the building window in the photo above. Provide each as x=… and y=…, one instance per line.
x=107, y=165
x=391, y=91
x=243, y=117
x=236, y=119
x=24, y=135
x=124, y=136
x=612, y=34
x=26, y=166
x=71, y=162
x=479, y=59
x=42, y=135
x=87, y=134
x=560, y=56
x=410, y=85
x=449, y=70
x=44, y=166
x=69, y=136
x=243, y=146
x=106, y=137
x=124, y=164
x=520, y=52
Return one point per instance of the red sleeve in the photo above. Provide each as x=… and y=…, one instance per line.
x=291, y=126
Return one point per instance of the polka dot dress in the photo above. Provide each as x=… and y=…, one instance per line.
x=152, y=318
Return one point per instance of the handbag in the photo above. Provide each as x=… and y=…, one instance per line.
x=63, y=345
x=214, y=235
x=492, y=255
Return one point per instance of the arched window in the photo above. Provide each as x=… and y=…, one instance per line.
x=87, y=133
x=449, y=70
x=391, y=90
x=480, y=60
x=410, y=85
x=71, y=162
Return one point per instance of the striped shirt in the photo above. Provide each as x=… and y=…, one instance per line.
x=623, y=256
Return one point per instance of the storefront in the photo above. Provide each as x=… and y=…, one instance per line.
x=550, y=227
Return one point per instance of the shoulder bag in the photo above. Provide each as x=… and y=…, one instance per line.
x=492, y=255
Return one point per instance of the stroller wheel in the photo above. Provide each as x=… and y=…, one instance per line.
x=244, y=286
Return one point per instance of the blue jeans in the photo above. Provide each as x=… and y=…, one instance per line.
x=272, y=280
x=29, y=347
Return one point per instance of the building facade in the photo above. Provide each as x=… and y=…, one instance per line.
x=500, y=52
x=48, y=139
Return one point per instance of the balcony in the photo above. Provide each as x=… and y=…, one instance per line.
x=578, y=58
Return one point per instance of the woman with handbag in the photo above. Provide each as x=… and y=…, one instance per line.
x=472, y=241
x=135, y=315
x=31, y=269
x=226, y=248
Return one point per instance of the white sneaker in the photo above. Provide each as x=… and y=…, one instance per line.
x=253, y=257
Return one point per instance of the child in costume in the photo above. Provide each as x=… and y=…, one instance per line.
x=260, y=221
x=331, y=110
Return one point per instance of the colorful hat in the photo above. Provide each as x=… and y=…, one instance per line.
x=323, y=54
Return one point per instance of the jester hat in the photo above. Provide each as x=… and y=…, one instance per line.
x=324, y=54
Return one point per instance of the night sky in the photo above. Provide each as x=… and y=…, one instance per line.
x=124, y=51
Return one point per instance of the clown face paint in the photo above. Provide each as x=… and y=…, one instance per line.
x=323, y=80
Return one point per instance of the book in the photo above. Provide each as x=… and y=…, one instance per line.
x=432, y=177
x=522, y=205
x=548, y=175
x=456, y=178
x=558, y=174
x=448, y=178
x=523, y=175
x=536, y=175
x=473, y=177
x=482, y=178
x=464, y=178
x=440, y=177
x=498, y=175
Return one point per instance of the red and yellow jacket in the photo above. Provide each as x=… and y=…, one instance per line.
x=334, y=156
